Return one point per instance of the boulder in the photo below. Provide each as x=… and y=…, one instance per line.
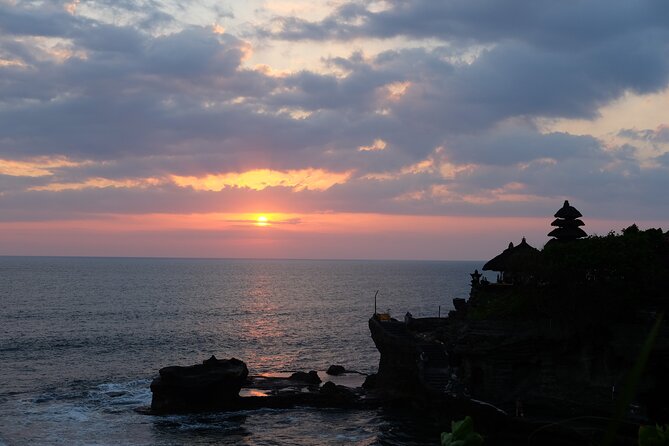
x=335, y=395
x=336, y=370
x=214, y=384
x=307, y=378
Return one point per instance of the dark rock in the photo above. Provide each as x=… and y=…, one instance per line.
x=210, y=361
x=337, y=395
x=336, y=370
x=370, y=382
x=214, y=384
x=308, y=378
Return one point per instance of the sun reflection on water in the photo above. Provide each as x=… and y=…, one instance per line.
x=262, y=329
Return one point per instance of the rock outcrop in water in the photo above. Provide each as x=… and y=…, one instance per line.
x=310, y=378
x=225, y=385
x=214, y=384
x=335, y=370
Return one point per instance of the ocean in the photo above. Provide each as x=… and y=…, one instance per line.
x=82, y=338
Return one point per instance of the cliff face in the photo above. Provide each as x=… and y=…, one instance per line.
x=415, y=367
x=398, y=364
x=535, y=368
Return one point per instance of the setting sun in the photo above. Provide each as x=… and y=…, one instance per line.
x=262, y=221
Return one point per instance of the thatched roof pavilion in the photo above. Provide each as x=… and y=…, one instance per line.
x=513, y=258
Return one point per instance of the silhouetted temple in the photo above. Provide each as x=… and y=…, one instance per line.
x=514, y=262
x=567, y=224
x=553, y=341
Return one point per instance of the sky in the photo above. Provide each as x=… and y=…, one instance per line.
x=400, y=129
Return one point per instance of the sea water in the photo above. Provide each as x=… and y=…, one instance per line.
x=82, y=338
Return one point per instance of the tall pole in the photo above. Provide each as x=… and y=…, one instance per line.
x=440, y=311
x=377, y=292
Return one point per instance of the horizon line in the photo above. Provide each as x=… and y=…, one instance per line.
x=232, y=258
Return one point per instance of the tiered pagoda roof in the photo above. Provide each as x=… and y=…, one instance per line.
x=567, y=224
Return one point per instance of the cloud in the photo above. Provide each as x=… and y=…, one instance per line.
x=188, y=92
x=512, y=144
x=98, y=116
x=37, y=167
x=483, y=21
x=47, y=20
x=663, y=159
x=259, y=179
x=657, y=135
x=529, y=59
x=377, y=144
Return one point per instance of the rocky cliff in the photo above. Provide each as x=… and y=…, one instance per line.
x=535, y=372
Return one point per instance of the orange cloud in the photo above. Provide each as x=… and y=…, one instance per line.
x=98, y=183
x=377, y=145
x=396, y=90
x=12, y=63
x=259, y=179
x=72, y=6
x=36, y=167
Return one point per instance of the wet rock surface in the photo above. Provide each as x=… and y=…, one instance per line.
x=211, y=385
x=226, y=385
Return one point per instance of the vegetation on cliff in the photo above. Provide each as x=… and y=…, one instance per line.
x=594, y=279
